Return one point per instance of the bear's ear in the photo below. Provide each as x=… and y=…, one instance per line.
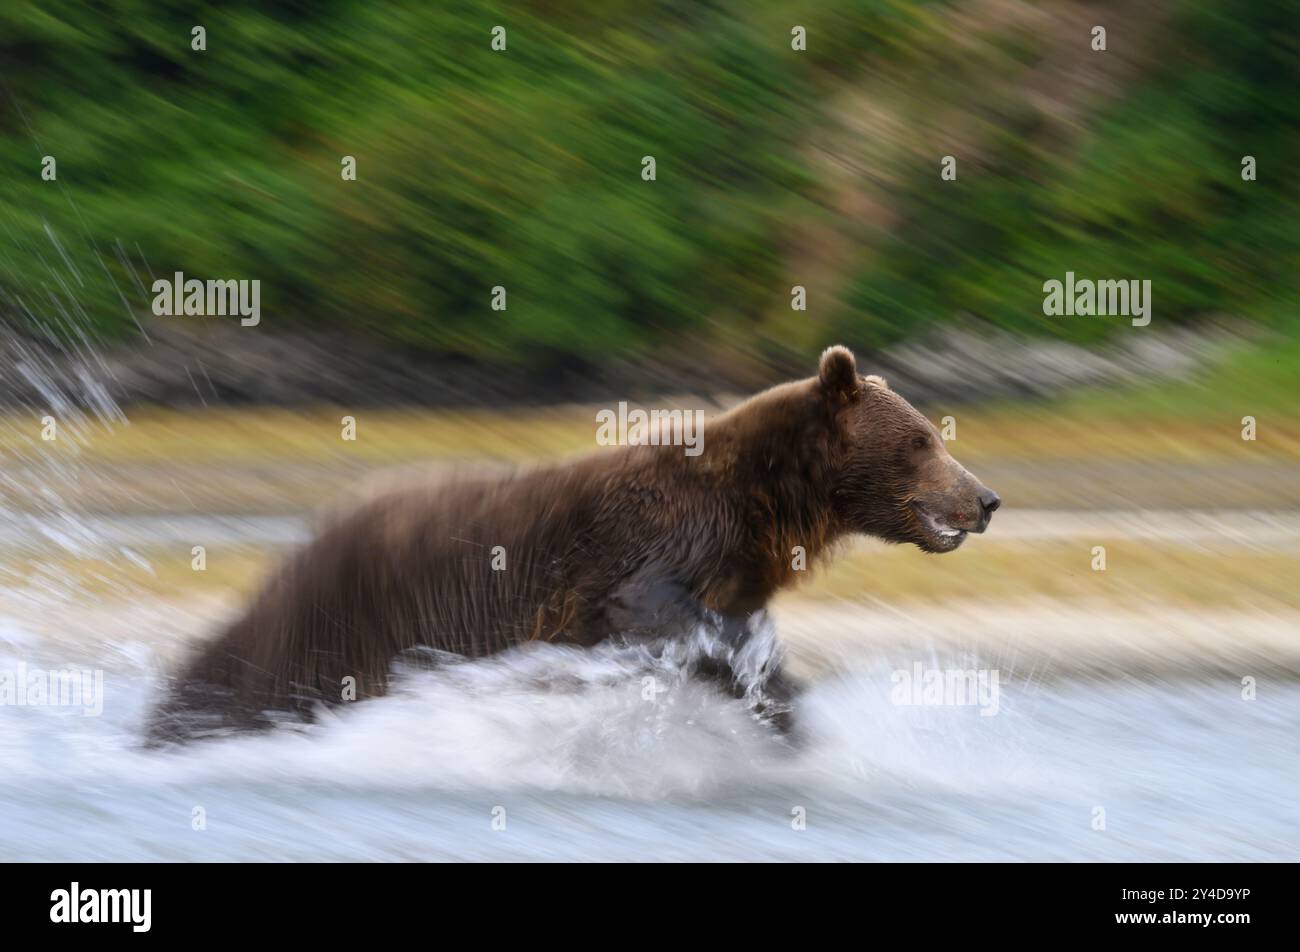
x=838, y=373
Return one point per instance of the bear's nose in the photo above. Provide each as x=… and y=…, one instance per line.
x=989, y=502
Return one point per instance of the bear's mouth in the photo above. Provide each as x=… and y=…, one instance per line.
x=942, y=537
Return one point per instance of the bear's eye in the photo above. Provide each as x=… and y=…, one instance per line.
x=920, y=442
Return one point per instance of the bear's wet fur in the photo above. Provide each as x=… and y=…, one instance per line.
x=627, y=542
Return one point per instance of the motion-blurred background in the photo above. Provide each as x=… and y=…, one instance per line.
x=774, y=168
x=522, y=168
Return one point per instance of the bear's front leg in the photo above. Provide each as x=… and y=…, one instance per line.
x=775, y=700
x=738, y=652
x=747, y=662
x=651, y=603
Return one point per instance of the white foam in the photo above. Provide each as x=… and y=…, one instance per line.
x=566, y=742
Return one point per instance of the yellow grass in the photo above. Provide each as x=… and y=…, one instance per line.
x=1136, y=572
x=245, y=437
x=983, y=570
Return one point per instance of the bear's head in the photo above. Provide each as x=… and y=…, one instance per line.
x=893, y=477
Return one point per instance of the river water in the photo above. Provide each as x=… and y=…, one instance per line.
x=555, y=753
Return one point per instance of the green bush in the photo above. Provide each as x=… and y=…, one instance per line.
x=1154, y=191
x=522, y=169
x=475, y=168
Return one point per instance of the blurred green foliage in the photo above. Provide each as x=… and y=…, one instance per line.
x=1152, y=190
x=522, y=169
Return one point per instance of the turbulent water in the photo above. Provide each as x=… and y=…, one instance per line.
x=556, y=753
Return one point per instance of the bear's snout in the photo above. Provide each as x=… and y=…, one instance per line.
x=989, y=502
x=974, y=506
x=945, y=515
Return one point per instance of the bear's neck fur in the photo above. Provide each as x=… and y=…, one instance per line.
x=772, y=460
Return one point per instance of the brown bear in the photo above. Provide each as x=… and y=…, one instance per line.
x=628, y=542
